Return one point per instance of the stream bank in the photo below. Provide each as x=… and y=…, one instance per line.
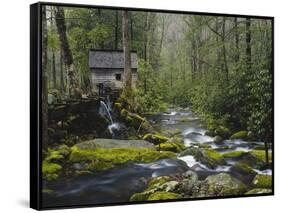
x=179, y=160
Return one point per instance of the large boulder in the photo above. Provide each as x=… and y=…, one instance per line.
x=105, y=158
x=209, y=157
x=223, y=132
x=114, y=143
x=263, y=181
x=240, y=135
x=221, y=184
x=189, y=183
x=243, y=172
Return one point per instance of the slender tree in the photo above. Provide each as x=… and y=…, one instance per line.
x=67, y=54
x=248, y=44
x=127, y=51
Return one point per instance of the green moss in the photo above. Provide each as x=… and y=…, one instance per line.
x=240, y=135
x=233, y=154
x=53, y=155
x=155, y=138
x=214, y=156
x=263, y=181
x=260, y=154
x=142, y=196
x=164, y=196
x=50, y=170
x=47, y=191
x=100, y=165
x=258, y=191
x=64, y=150
x=171, y=146
x=158, y=181
x=101, y=159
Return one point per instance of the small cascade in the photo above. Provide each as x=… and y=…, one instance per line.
x=104, y=109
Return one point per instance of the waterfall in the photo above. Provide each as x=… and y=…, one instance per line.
x=107, y=111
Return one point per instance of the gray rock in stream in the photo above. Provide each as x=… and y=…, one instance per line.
x=114, y=143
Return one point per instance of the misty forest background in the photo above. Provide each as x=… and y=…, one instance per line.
x=221, y=67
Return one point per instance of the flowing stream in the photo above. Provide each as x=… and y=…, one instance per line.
x=118, y=184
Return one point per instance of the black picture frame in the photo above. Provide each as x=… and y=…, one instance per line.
x=36, y=102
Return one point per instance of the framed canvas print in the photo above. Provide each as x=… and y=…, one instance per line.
x=133, y=106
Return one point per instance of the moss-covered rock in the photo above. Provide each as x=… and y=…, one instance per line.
x=101, y=158
x=50, y=170
x=53, y=155
x=240, y=135
x=258, y=191
x=263, y=181
x=209, y=157
x=223, y=132
x=243, y=172
x=157, y=181
x=233, y=154
x=221, y=184
x=114, y=143
x=155, y=138
x=142, y=196
x=171, y=146
x=210, y=133
x=218, y=139
x=164, y=196
x=213, y=158
x=260, y=154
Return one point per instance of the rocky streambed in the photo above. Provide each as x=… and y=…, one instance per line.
x=181, y=160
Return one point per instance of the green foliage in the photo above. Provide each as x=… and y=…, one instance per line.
x=150, y=93
x=100, y=34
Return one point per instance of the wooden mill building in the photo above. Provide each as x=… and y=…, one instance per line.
x=107, y=69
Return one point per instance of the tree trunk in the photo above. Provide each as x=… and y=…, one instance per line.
x=67, y=54
x=116, y=30
x=248, y=44
x=127, y=51
x=44, y=80
x=236, y=58
x=54, y=70
x=61, y=73
x=225, y=67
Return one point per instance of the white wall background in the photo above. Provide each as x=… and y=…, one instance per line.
x=14, y=105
